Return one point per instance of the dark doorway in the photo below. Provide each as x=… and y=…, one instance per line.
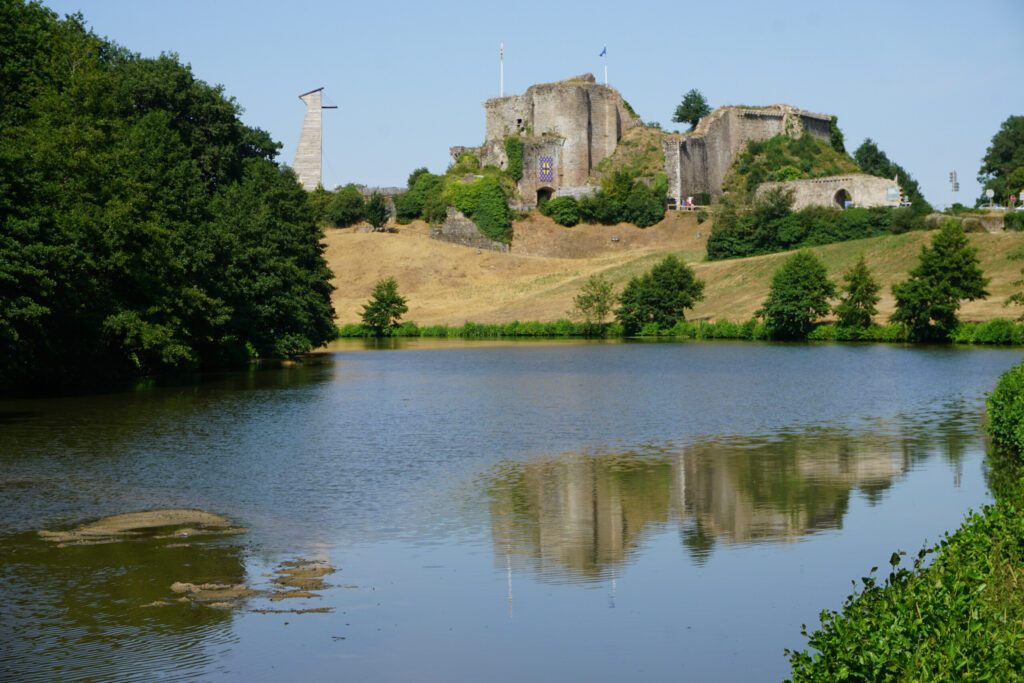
x=544, y=194
x=841, y=198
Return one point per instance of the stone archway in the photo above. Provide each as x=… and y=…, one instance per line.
x=544, y=194
x=841, y=197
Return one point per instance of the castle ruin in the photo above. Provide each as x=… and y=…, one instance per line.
x=566, y=128
x=697, y=163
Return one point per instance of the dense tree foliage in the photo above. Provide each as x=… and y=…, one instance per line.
x=660, y=297
x=624, y=198
x=770, y=225
x=692, y=109
x=874, y=161
x=424, y=191
x=947, y=273
x=346, y=207
x=798, y=297
x=1002, y=168
x=143, y=227
x=858, y=302
x=384, y=310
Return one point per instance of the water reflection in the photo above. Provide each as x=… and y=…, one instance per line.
x=88, y=612
x=579, y=516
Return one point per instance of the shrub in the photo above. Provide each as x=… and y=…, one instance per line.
x=1013, y=220
x=562, y=210
x=702, y=215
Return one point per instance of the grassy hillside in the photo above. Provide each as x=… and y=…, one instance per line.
x=785, y=158
x=450, y=284
x=639, y=153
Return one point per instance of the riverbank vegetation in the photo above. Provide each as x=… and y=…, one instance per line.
x=145, y=227
x=956, y=612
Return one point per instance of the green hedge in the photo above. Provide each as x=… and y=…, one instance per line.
x=1000, y=331
x=562, y=210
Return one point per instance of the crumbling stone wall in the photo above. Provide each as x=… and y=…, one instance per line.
x=458, y=229
x=866, y=191
x=698, y=162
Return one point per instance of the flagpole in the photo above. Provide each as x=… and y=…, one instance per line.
x=501, y=68
x=605, y=51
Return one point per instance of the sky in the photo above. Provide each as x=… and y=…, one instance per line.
x=929, y=80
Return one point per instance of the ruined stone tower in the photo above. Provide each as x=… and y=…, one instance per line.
x=309, y=153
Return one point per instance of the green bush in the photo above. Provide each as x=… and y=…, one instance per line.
x=625, y=199
x=659, y=296
x=799, y=295
x=562, y=210
x=1014, y=220
x=485, y=203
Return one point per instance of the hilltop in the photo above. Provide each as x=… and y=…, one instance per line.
x=451, y=284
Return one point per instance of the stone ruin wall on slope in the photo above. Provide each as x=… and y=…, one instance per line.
x=698, y=162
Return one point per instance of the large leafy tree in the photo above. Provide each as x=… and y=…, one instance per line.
x=385, y=308
x=1002, y=168
x=798, y=297
x=116, y=246
x=692, y=109
x=947, y=273
x=659, y=296
x=858, y=302
x=347, y=207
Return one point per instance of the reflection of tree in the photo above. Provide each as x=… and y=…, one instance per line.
x=584, y=515
x=80, y=610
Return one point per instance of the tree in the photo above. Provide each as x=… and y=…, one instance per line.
x=377, y=211
x=595, y=300
x=1017, y=298
x=346, y=207
x=660, y=296
x=873, y=161
x=860, y=296
x=1002, y=168
x=692, y=109
x=947, y=273
x=385, y=307
x=798, y=296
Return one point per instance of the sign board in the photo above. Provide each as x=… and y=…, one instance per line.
x=990, y=193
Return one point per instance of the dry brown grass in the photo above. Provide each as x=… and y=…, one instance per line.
x=449, y=284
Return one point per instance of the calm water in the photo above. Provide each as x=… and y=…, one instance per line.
x=539, y=512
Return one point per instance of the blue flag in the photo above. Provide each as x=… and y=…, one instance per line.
x=604, y=51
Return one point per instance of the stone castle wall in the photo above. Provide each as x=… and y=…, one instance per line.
x=862, y=190
x=698, y=162
x=573, y=124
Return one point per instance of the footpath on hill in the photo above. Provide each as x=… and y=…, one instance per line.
x=450, y=284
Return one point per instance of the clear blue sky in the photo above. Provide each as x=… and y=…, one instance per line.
x=929, y=81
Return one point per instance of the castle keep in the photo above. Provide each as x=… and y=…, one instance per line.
x=566, y=128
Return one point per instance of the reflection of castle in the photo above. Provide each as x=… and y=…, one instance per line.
x=585, y=514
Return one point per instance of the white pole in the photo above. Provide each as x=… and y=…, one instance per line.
x=501, y=68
